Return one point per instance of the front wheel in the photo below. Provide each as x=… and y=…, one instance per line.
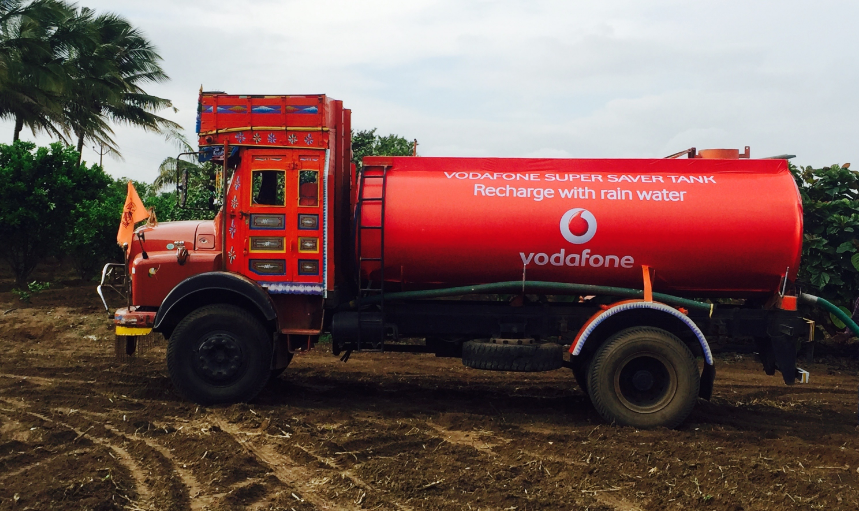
x=275, y=373
x=219, y=354
x=644, y=377
x=579, y=366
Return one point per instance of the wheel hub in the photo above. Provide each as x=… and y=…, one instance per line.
x=643, y=380
x=219, y=357
x=645, y=383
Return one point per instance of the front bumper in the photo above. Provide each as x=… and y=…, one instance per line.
x=132, y=322
x=115, y=278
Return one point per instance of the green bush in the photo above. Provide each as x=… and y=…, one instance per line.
x=830, y=250
x=41, y=190
x=91, y=236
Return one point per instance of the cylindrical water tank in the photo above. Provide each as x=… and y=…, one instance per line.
x=708, y=227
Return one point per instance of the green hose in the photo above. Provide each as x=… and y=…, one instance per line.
x=829, y=306
x=534, y=286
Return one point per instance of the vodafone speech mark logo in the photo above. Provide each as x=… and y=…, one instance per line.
x=578, y=226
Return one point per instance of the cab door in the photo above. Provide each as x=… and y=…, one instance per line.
x=275, y=226
x=309, y=256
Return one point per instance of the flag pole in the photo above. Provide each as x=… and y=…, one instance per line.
x=127, y=276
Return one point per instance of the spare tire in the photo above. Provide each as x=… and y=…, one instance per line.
x=512, y=357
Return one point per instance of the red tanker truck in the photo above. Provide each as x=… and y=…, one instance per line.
x=613, y=268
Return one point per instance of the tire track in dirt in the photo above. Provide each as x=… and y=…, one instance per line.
x=616, y=503
x=38, y=463
x=145, y=494
x=197, y=494
x=194, y=490
x=291, y=473
x=40, y=380
x=474, y=439
x=469, y=439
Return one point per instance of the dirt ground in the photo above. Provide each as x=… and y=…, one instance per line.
x=81, y=430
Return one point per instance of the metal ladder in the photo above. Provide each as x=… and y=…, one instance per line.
x=365, y=288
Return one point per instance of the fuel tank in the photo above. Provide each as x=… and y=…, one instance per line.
x=708, y=227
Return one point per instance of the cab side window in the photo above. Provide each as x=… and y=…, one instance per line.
x=308, y=188
x=268, y=187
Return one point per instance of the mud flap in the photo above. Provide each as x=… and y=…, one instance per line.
x=124, y=346
x=127, y=346
x=766, y=354
x=708, y=379
x=782, y=356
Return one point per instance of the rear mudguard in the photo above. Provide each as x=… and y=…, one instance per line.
x=708, y=375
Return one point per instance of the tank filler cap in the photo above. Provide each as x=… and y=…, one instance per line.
x=723, y=154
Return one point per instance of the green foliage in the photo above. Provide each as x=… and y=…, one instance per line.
x=33, y=38
x=367, y=143
x=22, y=295
x=37, y=287
x=68, y=71
x=91, y=237
x=105, y=74
x=203, y=198
x=837, y=322
x=172, y=168
x=33, y=288
x=40, y=190
x=830, y=251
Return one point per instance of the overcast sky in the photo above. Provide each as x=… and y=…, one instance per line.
x=522, y=78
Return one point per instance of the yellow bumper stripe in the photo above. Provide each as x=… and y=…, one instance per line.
x=131, y=330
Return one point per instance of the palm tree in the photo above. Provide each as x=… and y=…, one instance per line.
x=71, y=72
x=106, y=78
x=34, y=39
x=171, y=168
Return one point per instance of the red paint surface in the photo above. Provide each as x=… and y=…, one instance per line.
x=727, y=228
x=154, y=277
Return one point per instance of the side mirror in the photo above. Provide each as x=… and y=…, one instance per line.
x=182, y=185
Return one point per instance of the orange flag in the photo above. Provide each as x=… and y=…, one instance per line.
x=133, y=212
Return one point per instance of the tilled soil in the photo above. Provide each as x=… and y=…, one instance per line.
x=81, y=430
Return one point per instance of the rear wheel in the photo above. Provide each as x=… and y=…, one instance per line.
x=219, y=354
x=644, y=377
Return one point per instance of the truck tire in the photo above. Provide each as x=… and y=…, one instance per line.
x=644, y=377
x=275, y=373
x=579, y=366
x=512, y=357
x=219, y=354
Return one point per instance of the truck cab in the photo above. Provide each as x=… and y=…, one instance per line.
x=271, y=254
